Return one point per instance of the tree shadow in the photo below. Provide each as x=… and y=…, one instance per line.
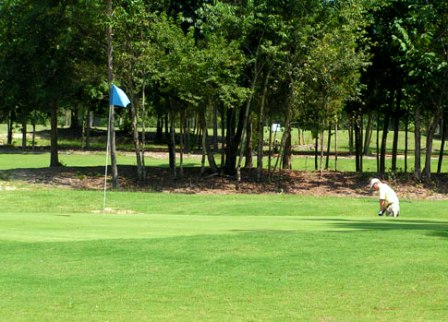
x=434, y=228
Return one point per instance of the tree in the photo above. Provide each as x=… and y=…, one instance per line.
x=423, y=41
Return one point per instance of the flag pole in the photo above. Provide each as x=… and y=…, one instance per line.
x=107, y=158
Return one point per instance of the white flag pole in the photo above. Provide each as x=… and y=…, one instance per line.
x=107, y=157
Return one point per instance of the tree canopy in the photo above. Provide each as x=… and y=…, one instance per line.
x=238, y=66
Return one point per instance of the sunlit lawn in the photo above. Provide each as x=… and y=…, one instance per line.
x=81, y=159
x=169, y=257
x=303, y=144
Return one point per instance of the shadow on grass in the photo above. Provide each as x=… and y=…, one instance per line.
x=434, y=228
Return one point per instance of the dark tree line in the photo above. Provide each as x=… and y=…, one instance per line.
x=215, y=74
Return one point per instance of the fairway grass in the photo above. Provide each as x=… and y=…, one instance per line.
x=170, y=257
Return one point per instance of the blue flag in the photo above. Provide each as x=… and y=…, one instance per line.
x=118, y=97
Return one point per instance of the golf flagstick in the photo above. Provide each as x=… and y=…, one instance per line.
x=107, y=159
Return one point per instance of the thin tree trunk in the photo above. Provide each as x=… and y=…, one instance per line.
x=113, y=147
x=24, y=133
x=215, y=128
x=327, y=158
x=350, y=138
x=286, y=136
x=417, y=137
x=137, y=148
x=143, y=140
x=159, y=129
x=249, y=159
x=358, y=147
x=429, y=141
x=368, y=137
x=316, y=152
x=33, y=140
x=261, y=127
x=444, y=133
x=336, y=146
x=378, y=142
x=172, y=145
x=181, y=147
x=206, y=150
x=54, y=158
x=383, y=144
x=287, y=151
x=270, y=150
x=230, y=152
x=223, y=140
x=83, y=129
x=406, y=143
x=396, y=130
x=244, y=131
x=10, y=131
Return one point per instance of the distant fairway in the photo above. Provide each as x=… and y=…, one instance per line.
x=169, y=257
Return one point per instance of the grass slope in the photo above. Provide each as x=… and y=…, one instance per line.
x=219, y=258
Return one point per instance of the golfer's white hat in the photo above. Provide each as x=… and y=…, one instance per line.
x=373, y=181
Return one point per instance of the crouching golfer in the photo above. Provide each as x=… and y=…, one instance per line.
x=389, y=203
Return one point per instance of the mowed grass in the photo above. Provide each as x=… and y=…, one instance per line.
x=171, y=257
x=301, y=162
x=80, y=159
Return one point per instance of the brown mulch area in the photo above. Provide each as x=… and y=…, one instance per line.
x=291, y=182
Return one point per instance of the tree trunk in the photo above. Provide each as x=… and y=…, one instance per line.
x=316, y=151
x=181, y=142
x=223, y=141
x=270, y=149
x=249, y=160
x=358, y=145
x=429, y=141
x=406, y=147
x=230, y=160
x=215, y=128
x=172, y=144
x=378, y=142
x=244, y=131
x=24, y=133
x=261, y=128
x=54, y=158
x=10, y=131
x=417, y=137
x=143, y=140
x=383, y=144
x=74, y=119
x=336, y=146
x=286, y=136
x=350, y=138
x=327, y=158
x=368, y=137
x=396, y=130
x=206, y=150
x=287, y=151
x=159, y=129
x=444, y=133
x=113, y=147
x=321, y=152
x=135, y=137
x=33, y=140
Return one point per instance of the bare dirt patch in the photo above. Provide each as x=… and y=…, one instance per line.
x=193, y=182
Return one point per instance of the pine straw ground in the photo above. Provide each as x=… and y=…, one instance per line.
x=292, y=182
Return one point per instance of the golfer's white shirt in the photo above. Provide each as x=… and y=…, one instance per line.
x=388, y=194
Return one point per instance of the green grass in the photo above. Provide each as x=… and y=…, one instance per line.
x=170, y=257
x=125, y=143
x=80, y=159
